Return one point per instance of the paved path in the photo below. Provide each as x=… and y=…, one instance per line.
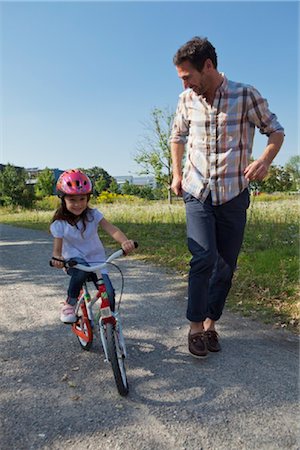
x=56, y=396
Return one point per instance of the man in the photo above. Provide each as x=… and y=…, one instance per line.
x=215, y=123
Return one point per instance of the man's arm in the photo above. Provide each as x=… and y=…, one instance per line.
x=258, y=169
x=177, y=151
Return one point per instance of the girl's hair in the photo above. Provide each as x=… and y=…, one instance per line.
x=62, y=213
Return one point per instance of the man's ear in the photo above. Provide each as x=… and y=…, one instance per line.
x=208, y=64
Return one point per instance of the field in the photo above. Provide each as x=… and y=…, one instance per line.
x=266, y=284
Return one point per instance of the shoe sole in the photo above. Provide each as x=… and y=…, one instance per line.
x=199, y=356
x=68, y=323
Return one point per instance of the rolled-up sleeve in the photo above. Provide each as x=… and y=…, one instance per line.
x=260, y=115
x=180, y=127
x=57, y=229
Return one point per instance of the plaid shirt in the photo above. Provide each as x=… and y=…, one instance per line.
x=219, y=138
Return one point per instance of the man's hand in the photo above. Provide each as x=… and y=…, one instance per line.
x=259, y=168
x=256, y=170
x=176, y=186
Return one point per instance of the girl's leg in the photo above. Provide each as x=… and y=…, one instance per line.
x=78, y=277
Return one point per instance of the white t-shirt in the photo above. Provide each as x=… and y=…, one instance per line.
x=86, y=245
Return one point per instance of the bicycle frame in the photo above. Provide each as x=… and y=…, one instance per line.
x=108, y=322
x=90, y=320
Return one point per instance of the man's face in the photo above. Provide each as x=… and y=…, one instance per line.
x=192, y=78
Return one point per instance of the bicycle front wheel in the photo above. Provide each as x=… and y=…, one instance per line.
x=117, y=359
x=85, y=338
x=83, y=329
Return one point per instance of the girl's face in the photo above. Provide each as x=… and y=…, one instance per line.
x=76, y=204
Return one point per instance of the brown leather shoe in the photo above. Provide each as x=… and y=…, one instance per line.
x=197, y=344
x=212, y=341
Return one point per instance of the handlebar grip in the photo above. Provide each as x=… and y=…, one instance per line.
x=135, y=246
x=60, y=260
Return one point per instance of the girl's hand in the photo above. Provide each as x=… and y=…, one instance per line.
x=57, y=264
x=128, y=246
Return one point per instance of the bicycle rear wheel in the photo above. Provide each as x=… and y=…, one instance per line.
x=117, y=359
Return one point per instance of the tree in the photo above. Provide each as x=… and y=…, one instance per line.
x=45, y=183
x=100, y=184
x=113, y=187
x=293, y=168
x=13, y=188
x=277, y=180
x=126, y=188
x=140, y=191
x=94, y=174
x=154, y=152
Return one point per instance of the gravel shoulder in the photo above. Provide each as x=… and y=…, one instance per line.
x=54, y=395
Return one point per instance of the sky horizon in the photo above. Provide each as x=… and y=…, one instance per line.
x=79, y=79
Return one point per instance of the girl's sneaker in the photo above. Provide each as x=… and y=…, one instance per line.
x=67, y=314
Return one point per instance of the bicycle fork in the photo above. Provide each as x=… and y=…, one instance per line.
x=120, y=344
x=107, y=316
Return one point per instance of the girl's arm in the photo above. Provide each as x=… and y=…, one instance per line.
x=117, y=235
x=57, y=250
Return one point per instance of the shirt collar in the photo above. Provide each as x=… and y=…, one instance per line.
x=223, y=87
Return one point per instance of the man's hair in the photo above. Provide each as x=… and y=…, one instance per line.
x=196, y=51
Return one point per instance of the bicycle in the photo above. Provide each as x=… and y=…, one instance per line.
x=106, y=321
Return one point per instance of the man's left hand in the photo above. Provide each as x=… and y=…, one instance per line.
x=257, y=170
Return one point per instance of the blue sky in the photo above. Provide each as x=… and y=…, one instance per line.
x=80, y=79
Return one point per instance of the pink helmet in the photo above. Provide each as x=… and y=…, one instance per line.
x=73, y=182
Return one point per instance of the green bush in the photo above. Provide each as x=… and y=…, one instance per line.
x=265, y=197
x=110, y=197
x=48, y=203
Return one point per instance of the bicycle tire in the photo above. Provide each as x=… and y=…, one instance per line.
x=83, y=325
x=116, y=359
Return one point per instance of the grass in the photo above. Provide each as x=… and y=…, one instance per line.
x=266, y=283
x=267, y=280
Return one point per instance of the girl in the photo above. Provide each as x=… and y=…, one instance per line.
x=75, y=230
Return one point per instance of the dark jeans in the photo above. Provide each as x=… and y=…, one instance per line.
x=78, y=277
x=214, y=235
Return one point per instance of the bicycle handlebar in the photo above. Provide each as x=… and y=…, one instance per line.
x=74, y=264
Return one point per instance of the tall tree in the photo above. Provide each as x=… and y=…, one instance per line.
x=277, y=180
x=293, y=168
x=99, y=185
x=13, y=188
x=45, y=183
x=113, y=187
x=97, y=172
x=154, y=150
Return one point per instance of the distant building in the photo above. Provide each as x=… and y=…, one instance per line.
x=2, y=167
x=57, y=173
x=137, y=181
x=33, y=173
